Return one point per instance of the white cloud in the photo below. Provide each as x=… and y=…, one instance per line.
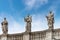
x=14, y=26
x=39, y=22
x=11, y=6
x=34, y=3
x=57, y=23
x=30, y=3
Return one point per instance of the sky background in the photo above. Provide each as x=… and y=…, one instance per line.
x=16, y=10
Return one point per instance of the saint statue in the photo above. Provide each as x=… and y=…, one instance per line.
x=5, y=26
x=28, y=21
x=50, y=19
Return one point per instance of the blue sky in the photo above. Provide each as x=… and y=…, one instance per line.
x=16, y=10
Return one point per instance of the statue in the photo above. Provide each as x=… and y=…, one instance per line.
x=28, y=21
x=5, y=26
x=50, y=19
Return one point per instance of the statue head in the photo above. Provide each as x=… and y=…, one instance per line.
x=50, y=12
x=5, y=22
x=4, y=18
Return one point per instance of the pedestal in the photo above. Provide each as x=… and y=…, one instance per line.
x=49, y=35
x=4, y=37
x=26, y=36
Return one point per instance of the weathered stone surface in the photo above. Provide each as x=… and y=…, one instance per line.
x=28, y=21
x=5, y=26
x=50, y=19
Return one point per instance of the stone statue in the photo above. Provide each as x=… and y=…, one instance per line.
x=5, y=26
x=28, y=21
x=50, y=19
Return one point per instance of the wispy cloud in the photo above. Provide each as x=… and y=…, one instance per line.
x=14, y=26
x=57, y=23
x=11, y=6
x=34, y=3
x=39, y=22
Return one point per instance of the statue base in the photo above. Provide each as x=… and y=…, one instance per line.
x=4, y=37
